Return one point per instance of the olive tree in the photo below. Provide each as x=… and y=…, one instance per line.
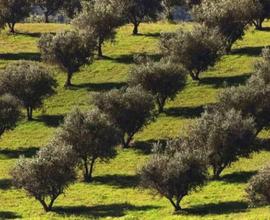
x=49, y=7
x=9, y=112
x=47, y=175
x=229, y=17
x=162, y=79
x=174, y=175
x=225, y=136
x=100, y=17
x=263, y=14
x=13, y=11
x=196, y=50
x=129, y=110
x=91, y=136
x=69, y=50
x=137, y=11
x=30, y=82
x=253, y=97
x=258, y=188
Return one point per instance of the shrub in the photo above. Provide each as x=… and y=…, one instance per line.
x=91, y=136
x=174, y=174
x=9, y=112
x=30, y=82
x=129, y=110
x=47, y=175
x=196, y=50
x=258, y=188
x=162, y=79
x=69, y=50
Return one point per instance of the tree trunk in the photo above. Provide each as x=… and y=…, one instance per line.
x=46, y=16
x=100, y=52
x=29, y=113
x=161, y=104
x=126, y=141
x=258, y=24
x=217, y=170
x=176, y=205
x=44, y=205
x=195, y=76
x=68, y=80
x=88, y=171
x=135, y=28
x=11, y=28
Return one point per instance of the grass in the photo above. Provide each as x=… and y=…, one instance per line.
x=114, y=193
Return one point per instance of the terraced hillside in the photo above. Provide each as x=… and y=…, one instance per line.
x=114, y=193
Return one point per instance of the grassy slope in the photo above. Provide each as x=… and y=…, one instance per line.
x=114, y=193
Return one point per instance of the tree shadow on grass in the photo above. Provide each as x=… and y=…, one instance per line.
x=9, y=215
x=185, y=112
x=238, y=177
x=218, y=82
x=33, y=34
x=5, y=184
x=98, y=87
x=218, y=208
x=129, y=58
x=154, y=34
x=51, y=120
x=14, y=154
x=117, y=180
x=249, y=51
x=20, y=56
x=102, y=211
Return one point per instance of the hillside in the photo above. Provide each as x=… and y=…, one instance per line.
x=113, y=193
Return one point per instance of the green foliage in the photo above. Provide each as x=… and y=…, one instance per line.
x=196, y=50
x=28, y=81
x=69, y=50
x=100, y=18
x=129, y=110
x=9, y=112
x=91, y=136
x=162, y=79
x=258, y=188
x=47, y=175
x=174, y=174
x=229, y=17
x=13, y=11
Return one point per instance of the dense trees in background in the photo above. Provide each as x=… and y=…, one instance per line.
x=9, y=112
x=92, y=138
x=162, y=79
x=174, y=171
x=69, y=50
x=13, y=11
x=47, y=175
x=196, y=50
x=29, y=82
x=129, y=110
x=100, y=18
